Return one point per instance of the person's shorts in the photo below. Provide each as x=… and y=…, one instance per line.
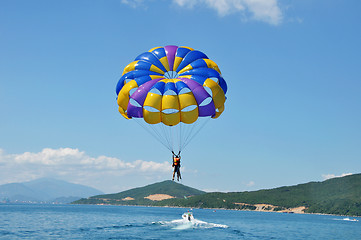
x=176, y=168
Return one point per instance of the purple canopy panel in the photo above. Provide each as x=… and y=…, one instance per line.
x=197, y=89
x=141, y=93
x=170, y=51
x=208, y=110
x=133, y=111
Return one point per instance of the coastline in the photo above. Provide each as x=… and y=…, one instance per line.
x=227, y=209
x=259, y=207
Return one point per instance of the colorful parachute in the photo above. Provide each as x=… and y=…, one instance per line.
x=173, y=87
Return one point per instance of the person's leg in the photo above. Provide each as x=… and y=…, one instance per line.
x=173, y=175
x=178, y=175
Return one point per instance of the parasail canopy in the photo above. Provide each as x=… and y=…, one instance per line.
x=174, y=88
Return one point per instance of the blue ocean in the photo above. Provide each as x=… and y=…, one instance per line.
x=38, y=221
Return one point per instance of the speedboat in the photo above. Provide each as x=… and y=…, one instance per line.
x=348, y=219
x=188, y=216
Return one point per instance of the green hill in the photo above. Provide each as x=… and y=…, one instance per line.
x=137, y=196
x=340, y=196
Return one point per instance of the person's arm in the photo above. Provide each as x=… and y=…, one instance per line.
x=173, y=157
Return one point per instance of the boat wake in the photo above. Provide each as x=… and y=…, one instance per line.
x=189, y=223
x=347, y=219
x=181, y=224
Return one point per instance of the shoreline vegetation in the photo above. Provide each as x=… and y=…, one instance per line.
x=337, y=196
x=130, y=205
x=245, y=207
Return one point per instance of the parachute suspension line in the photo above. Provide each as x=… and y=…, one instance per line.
x=166, y=136
x=157, y=129
x=171, y=136
x=158, y=134
x=173, y=133
x=192, y=135
x=180, y=136
x=154, y=133
x=174, y=137
x=185, y=130
x=188, y=132
x=183, y=135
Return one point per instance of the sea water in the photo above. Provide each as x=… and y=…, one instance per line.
x=36, y=221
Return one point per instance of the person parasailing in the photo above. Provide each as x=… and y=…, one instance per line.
x=176, y=166
x=172, y=91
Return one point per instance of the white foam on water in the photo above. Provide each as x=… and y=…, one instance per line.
x=346, y=219
x=182, y=224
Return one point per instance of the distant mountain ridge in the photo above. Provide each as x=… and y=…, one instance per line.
x=341, y=196
x=45, y=190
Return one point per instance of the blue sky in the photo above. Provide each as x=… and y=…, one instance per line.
x=293, y=102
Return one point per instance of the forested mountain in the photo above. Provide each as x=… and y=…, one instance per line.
x=138, y=196
x=334, y=196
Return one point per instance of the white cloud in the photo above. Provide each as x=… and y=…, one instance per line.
x=247, y=185
x=329, y=176
x=250, y=184
x=260, y=10
x=133, y=3
x=108, y=174
x=225, y=7
x=185, y=3
x=265, y=10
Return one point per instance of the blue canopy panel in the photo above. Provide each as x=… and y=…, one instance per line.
x=170, y=86
x=119, y=86
x=133, y=75
x=151, y=58
x=159, y=86
x=143, y=65
x=223, y=84
x=189, y=58
x=159, y=52
x=205, y=72
x=200, y=63
x=180, y=85
x=181, y=52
